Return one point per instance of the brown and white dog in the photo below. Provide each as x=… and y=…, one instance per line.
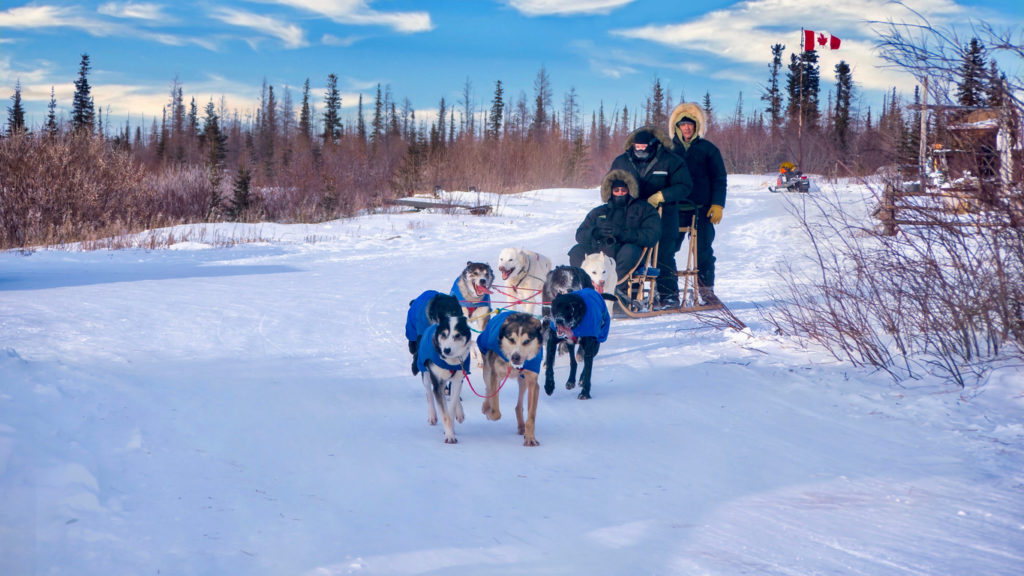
x=512, y=345
x=601, y=269
x=523, y=273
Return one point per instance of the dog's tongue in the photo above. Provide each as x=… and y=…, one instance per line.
x=482, y=290
x=504, y=273
x=599, y=287
x=565, y=332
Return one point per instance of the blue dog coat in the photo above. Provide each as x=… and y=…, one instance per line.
x=416, y=320
x=427, y=351
x=490, y=338
x=596, y=321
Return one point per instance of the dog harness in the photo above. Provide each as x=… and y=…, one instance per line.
x=427, y=352
x=490, y=338
x=470, y=305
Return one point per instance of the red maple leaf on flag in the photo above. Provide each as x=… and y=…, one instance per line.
x=812, y=40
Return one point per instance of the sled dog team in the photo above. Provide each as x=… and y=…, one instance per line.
x=539, y=309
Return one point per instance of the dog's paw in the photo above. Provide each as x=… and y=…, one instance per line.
x=432, y=419
x=584, y=395
x=451, y=440
x=549, y=387
x=530, y=441
x=460, y=416
x=570, y=384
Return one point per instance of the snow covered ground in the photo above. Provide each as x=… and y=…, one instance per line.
x=249, y=411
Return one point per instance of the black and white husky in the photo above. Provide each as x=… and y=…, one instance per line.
x=439, y=338
x=443, y=359
x=561, y=280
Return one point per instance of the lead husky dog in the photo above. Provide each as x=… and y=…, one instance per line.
x=443, y=359
x=523, y=272
x=512, y=341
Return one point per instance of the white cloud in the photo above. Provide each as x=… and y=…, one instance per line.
x=134, y=10
x=566, y=7
x=359, y=13
x=290, y=34
x=746, y=31
x=332, y=40
x=49, y=17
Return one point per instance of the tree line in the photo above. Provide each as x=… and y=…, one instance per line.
x=288, y=161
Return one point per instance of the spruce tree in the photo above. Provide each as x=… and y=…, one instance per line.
x=360, y=123
x=772, y=95
x=16, y=112
x=332, y=110
x=970, y=90
x=497, y=111
x=377, y=126
x=541, y=104
x=656, y=115
x=215, y=142
x=241, y=196
x=305, y=114
x=51, y=115
x=83, y=111
x=844, y=96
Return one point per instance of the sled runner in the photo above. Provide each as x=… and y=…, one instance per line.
x=637, y=293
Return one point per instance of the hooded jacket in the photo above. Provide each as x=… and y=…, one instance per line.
x=490, y=339
x=664, y=172
x=636, y=223
x=702, y=157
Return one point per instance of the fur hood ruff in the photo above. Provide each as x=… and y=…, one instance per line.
x=688, y=110
x=663, y=138
x=619, y=174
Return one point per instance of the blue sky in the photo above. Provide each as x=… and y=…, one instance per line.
x=609, y=51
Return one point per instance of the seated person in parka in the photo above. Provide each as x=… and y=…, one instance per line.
x=619, y=228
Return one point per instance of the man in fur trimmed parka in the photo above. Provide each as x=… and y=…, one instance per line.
x=664, y=180
x=707, y=169
x=620, y=227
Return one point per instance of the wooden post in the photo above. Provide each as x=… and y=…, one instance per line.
x=922, y=159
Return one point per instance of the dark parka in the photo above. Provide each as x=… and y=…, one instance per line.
x=665, y=172
x=709, y=183
x=706, y=168
x=638, y=223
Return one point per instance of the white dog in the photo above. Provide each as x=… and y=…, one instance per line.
x=601, y=269
x=523, y=273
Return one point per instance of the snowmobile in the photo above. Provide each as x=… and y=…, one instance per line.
x=790, y=180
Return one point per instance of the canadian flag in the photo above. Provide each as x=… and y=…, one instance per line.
x=813, y=40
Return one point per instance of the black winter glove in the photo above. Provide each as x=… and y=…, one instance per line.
x=604, y=229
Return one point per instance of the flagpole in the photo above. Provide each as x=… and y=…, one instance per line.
x=800, y=121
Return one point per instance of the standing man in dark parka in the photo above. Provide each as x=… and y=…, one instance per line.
x=707, y=169
x=664, y=181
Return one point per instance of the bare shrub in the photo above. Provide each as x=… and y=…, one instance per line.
x=944, y=295
x=62, y=189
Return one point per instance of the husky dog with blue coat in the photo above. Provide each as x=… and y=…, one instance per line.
x=473, y=290
x=561, y=280
x=582, y=317
x=439, y=332
x=511, y=345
